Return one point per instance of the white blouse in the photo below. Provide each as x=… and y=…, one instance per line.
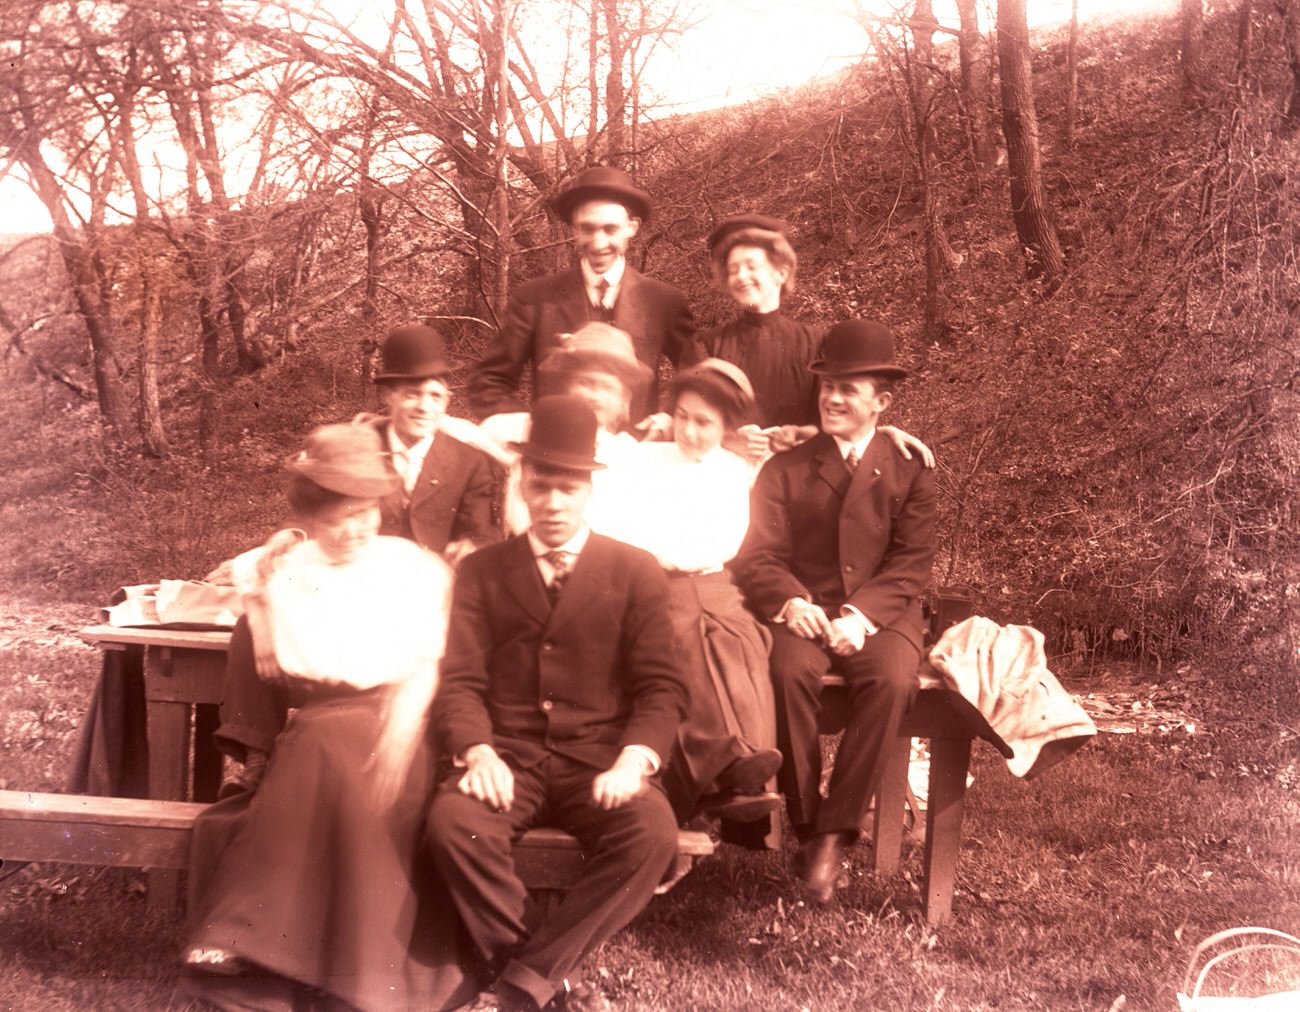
x=692, y=515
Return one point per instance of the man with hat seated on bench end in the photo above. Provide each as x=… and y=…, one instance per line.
x=838, y=554
x=560, y=699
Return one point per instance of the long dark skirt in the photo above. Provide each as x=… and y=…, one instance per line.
x=312, y=881
x=723, y=653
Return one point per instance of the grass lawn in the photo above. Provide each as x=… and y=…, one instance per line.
x=1094, y=883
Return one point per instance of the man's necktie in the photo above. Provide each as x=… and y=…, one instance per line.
x=559, y=573
x=851, y=459
x=606, y=313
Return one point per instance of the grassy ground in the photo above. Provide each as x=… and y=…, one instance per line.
x=1092, y=884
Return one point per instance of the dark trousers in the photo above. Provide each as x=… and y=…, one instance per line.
x=882, y=683
x=253, y=712
x=628, y=849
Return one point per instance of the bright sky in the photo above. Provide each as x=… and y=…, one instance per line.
x=740, y=49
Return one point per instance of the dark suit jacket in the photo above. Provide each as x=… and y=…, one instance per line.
x=655, y=314
x=818, y=533
x=452, y=498
x=585, y=679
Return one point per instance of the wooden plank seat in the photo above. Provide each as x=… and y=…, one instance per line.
x=131, y=833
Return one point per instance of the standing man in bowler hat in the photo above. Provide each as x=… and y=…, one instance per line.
x=560, y=701
x=605, y=210
x=444, y=502
x=839, y=550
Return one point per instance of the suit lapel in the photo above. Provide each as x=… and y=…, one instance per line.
x=571, y=296
x=830, y=465
x=394, y=504
x=583, y=584
x=629, y=310
x=524, y=581
x=870, y=468
x=438, y=461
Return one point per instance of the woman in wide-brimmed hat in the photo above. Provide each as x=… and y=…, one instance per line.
x=598, y=364
x=301, y=882
x=754, y=263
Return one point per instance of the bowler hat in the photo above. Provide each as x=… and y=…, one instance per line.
x=413, y=352
x=561, y=434
x=347, y=459
x=599, y=346
x=740, y=222
x=603, y=181
x=858, y=346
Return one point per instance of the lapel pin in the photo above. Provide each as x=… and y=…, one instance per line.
x=875, y=472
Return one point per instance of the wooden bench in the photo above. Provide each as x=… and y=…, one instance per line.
x=131, y=833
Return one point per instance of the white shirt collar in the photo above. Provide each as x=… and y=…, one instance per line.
x=861, y=445
x=416, y=451
x=614, y=276
x=573, y=546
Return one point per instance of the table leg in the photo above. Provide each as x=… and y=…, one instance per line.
x=169, y=762
x=949, y=762
x=891, y=803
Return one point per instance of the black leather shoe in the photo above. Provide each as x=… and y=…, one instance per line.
x=819, y=865
x=742, y=807
x=751, y=774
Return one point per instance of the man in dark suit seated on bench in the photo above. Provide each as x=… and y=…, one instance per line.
x=560, y=699
x=839, y=550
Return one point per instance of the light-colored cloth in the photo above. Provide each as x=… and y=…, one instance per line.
x=1002, y=671
x=691, y=515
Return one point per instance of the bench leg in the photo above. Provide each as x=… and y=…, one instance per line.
x=891, y=801
x=949, y=762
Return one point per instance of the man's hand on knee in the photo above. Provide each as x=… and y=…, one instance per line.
x=488, y=778
x=848, y=634
x=803, y=618
x=621, y=782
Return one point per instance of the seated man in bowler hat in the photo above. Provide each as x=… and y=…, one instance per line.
x=560, y=699
x=604, y=209
x=839, y=550
x=445, y=500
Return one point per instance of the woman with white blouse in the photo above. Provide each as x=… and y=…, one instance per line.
x=687, y=502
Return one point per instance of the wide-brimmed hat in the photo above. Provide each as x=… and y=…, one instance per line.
x=347, y=459
x=561, y=434
x=413, y=352
x=598, y=346
x=855, y=347
x=722, y=384
x=741, y=222
x=603, y=181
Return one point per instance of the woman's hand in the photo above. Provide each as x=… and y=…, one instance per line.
x=906, y=443
x=749, y=442
x=787, y=437
x=621, y=782
x=488, y=778
x=656, y=428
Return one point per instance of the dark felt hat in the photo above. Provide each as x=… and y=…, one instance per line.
x=858, y=346
x=740, y=222
x=413, y=352
x=603, y=182
x=347, y=459
x=561, y=434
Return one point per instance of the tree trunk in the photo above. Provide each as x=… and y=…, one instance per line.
x=1245, y=40
x=1291, y=28
x=1072, y=74
x=615, y=93
x=87, y=287
x=152, y=433
x=1191, y=19
x=921, y=96
x=974, y=86
x=1034, y=227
